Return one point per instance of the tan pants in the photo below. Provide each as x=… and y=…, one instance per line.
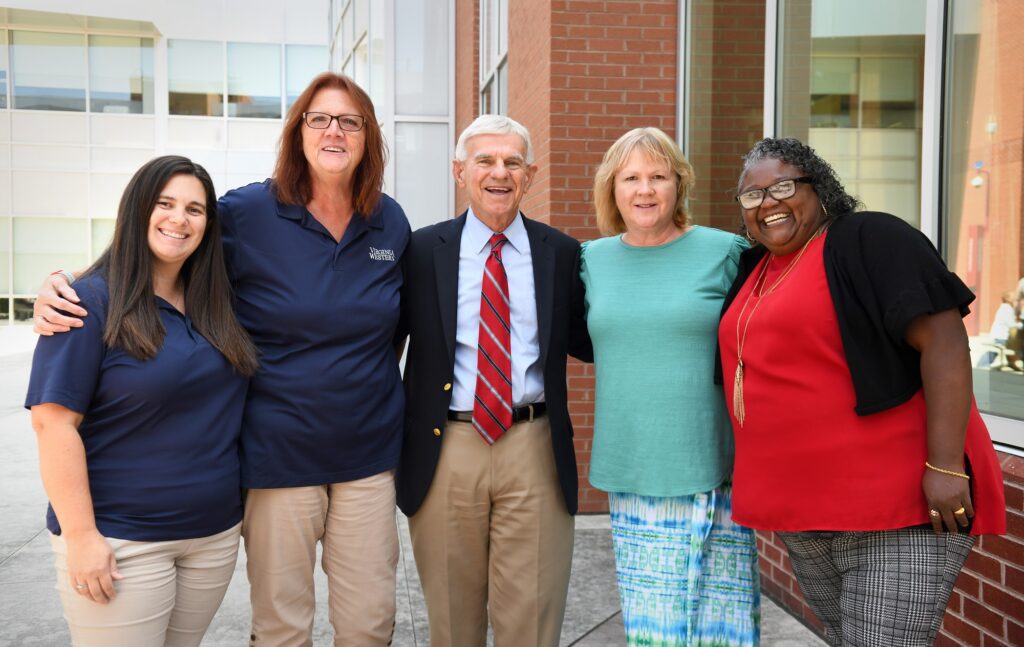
x=493, y=534
x=169, y=594
x=355, y=522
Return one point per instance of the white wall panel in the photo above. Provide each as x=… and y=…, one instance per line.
x=119, y=160
x=105, y=191
x=195, y=133
x=49, y=158
x=245, y=135
x=261, y=164
x=49, y=127
x=49, y=193
x=115, y=130
x=5, y=126
x=5, y=194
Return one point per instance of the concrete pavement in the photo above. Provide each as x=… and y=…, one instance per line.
x=30, y=613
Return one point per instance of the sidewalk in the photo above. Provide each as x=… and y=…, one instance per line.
x=31, y=614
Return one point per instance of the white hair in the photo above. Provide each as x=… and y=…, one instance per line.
x=493, y=125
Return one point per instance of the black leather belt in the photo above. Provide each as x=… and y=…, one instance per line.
x=519, y=414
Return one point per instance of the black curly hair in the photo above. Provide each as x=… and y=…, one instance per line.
x=833, y=197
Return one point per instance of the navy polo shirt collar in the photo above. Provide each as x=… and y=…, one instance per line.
x=300, y=214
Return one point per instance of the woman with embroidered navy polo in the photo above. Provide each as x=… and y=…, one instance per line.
x=313, y=254
x=138, y=417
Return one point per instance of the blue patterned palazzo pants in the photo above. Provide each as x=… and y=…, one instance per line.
x=687, y=574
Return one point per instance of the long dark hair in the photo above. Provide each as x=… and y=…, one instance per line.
x=133, y=320
x=824, y=181
x=291, y=172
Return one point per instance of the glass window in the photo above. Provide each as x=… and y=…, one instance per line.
x=195, y=83
x=421, y=59
x=48, y=71
x=494, y=56
x=851, y=86
x=724, y=105
x=3, y=68
x=254, y=80
x=361, y=59
x=121, y=74
x=303, y=62
x=984, y=180
x=42, y=244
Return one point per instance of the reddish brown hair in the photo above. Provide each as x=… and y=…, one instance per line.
x=291, y=173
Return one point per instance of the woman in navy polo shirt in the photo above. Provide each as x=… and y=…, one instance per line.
x=313, y=255
x=138, y=417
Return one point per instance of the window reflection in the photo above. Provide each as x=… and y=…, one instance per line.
x=48, y=71
x=195, y=71
x=984, y=224
x=851, y=86
x=303, y=63
x=120, y=74
x=3, y=68
x=254, y=80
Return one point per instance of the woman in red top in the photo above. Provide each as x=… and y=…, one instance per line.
x=848, y=377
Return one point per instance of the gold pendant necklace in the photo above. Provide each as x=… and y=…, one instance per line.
x=738, y=408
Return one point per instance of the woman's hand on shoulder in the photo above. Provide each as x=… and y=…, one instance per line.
x=55, y=298
x=92, y=568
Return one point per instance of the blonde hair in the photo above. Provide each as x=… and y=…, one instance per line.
x=656, y=145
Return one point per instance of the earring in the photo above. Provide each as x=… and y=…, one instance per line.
x=749, y=237
x=825, y=211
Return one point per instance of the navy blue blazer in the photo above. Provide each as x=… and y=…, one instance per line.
x=429, y=306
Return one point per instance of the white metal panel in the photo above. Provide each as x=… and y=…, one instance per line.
x=257, y=164
x=107, y=159
x=931, y=122
x=105, y=191
x=5, y=196
x=49, y=157
x=49, y=127
x=49, y=193
x=123, y=131
x=253, y=135
x=203, y=133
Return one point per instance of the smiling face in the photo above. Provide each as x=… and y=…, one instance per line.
x=497, y=177
x=333, y=153
x=645, y=193
x=178, y=222
x=782, y=226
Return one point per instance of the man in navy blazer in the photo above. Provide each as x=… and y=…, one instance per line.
x=491, y=524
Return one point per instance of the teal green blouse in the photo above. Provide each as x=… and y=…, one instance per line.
x=661, y=426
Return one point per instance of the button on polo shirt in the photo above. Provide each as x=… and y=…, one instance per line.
x=161, y=436
x=326, y=405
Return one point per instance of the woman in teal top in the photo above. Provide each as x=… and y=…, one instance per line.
x=663, y=445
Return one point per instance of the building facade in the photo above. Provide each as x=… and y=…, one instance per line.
x=918, y=104
x=91, y=90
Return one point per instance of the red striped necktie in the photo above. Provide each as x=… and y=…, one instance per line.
x=492, y=408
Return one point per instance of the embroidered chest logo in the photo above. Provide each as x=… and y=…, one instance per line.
x=382, y=254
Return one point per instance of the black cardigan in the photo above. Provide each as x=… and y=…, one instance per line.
x=881, y=273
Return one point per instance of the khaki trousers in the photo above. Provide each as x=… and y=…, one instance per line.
x=493, y=535
x=355, y=522
x=169, y=594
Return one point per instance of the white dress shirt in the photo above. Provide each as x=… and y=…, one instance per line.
x=527, y=372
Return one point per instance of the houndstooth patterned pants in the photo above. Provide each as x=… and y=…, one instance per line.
x=879, y=588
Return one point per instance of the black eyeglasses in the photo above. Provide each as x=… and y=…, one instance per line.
x=322, y=121
x=780, y=191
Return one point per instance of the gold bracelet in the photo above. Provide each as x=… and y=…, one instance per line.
x=950, y=472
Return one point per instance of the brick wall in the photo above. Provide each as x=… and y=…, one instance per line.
x=987, y=606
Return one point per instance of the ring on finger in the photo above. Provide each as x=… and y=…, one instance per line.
x=81, y=587
x=960, y=511
x=934, y=513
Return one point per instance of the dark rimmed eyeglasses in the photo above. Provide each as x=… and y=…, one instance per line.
x=780, y=191
x=322, y=121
